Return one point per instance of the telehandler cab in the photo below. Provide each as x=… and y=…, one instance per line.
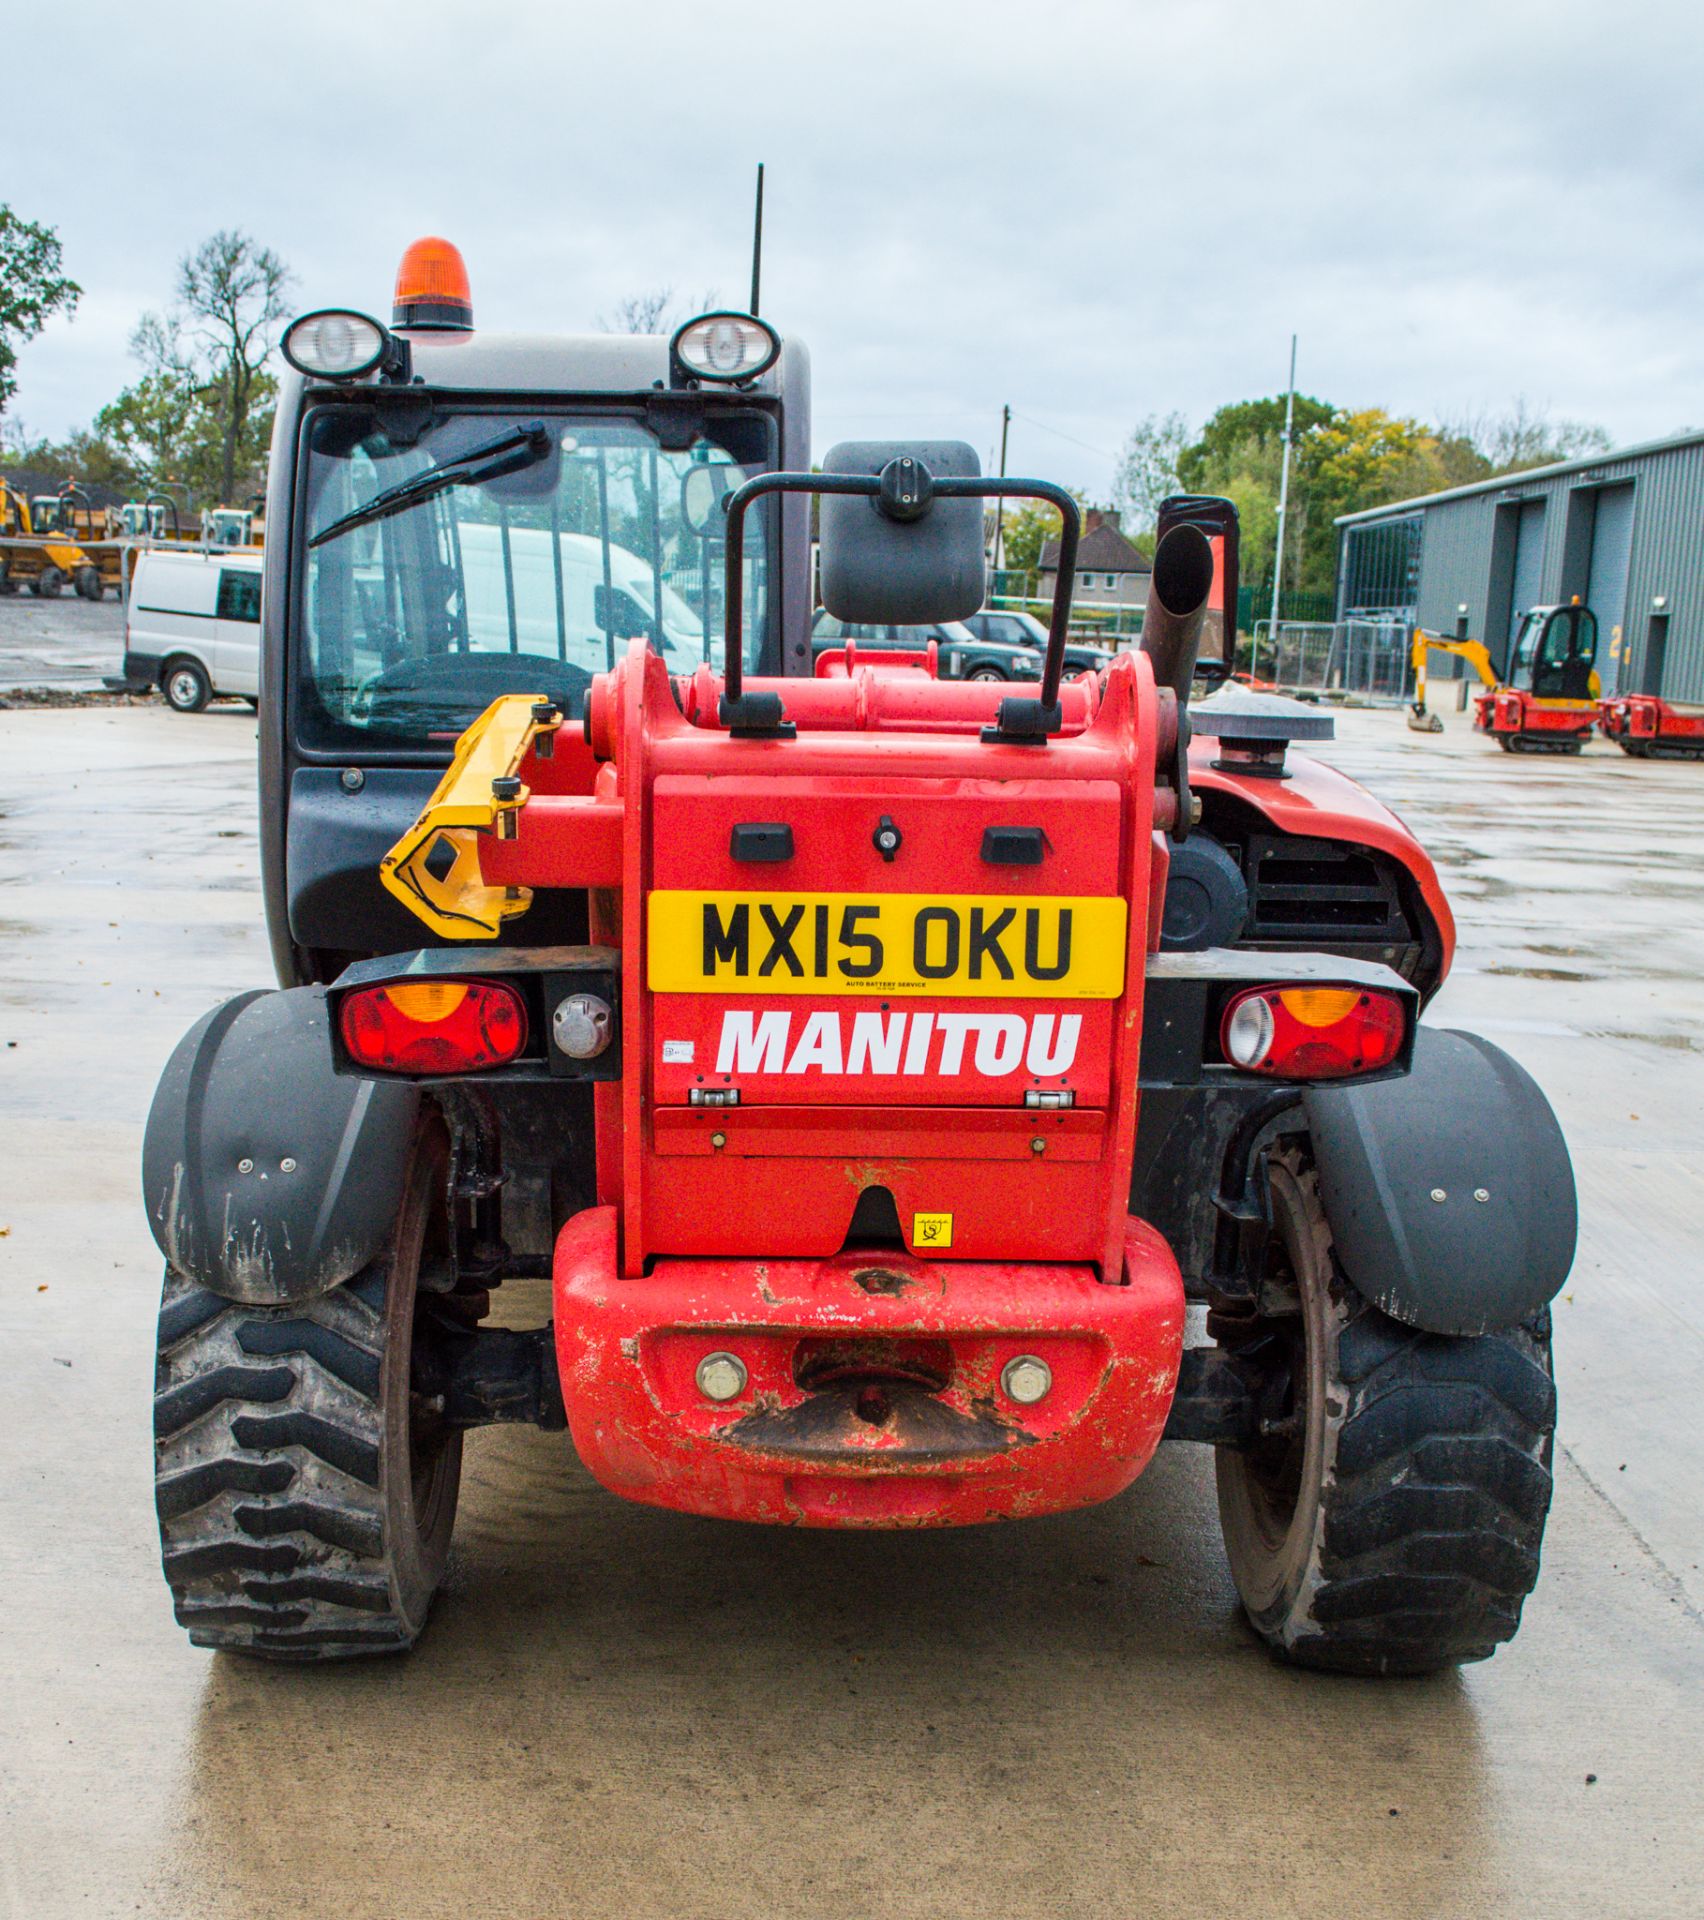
x=876, y=1066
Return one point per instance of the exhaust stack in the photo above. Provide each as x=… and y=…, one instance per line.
x=1177, y=607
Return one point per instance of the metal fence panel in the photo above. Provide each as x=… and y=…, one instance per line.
x=1362, y=659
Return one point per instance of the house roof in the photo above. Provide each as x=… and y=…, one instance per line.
x=1525, y=476
x=1105, y=550
x=34, y=481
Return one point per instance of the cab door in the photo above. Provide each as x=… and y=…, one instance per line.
x=1562, y=663
x=236, y=632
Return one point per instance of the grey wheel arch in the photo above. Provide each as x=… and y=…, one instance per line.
x=1450, y=1191
x=268, y=1177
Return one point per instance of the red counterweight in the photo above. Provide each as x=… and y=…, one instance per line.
x=881, y=1009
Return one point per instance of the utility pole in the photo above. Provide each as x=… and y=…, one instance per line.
x=1000, y=504
x=1283, y=502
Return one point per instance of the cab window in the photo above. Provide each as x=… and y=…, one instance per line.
x=527, y=579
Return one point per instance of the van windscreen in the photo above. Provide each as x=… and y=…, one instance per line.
x=523, y=571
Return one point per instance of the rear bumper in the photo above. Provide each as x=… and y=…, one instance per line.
x=139, y=672
x=935, y=1442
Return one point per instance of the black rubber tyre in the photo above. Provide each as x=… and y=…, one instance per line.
x=47, y=583
x=985, y=673
x=8, y=585
x=305, y=1507
x=185, y=685
x=1390, y=1517
x=89, y=583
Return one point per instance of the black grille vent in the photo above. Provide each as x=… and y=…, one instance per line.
x=1326, y=897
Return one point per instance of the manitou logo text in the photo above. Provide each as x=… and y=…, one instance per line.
x=943, y=1044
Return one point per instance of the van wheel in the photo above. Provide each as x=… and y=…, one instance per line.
x=306, y=1487
x=186, y=686
x=1388, y=1518
x=46, y=584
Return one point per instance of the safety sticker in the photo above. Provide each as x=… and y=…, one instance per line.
x=931, y=1230
x=677, y=1053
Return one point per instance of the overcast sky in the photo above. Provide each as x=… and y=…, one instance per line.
x=1090, y=211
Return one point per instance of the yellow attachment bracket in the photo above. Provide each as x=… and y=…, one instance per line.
x=455, y=901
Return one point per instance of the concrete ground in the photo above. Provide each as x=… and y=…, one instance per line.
x=65, y=644
x=619, y=1712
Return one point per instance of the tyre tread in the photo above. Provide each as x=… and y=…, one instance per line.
x=268, y=1434
x=1436, y=1495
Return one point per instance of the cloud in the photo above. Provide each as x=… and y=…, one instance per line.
x=1089, y=211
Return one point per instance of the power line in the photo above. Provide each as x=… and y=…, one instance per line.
x=1030, y=420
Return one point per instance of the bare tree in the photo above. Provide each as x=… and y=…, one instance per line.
x=655, y=311
x=1525, y=436
x=231, y=298
x=639, y=312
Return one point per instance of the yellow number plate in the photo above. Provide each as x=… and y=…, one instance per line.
x=969, y=945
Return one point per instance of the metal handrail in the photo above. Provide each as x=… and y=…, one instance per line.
x=967, y=487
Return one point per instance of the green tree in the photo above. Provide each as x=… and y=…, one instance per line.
x=1024, y=531
x=231, y=302
x=1342, y=460
x=32, y=290
x=1245, y=436
x=150, y=427
x=1148, y=469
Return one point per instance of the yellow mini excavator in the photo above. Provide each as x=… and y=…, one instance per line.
x=1548, y=704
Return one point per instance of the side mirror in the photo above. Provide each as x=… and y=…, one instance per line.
x=702, y=491
x=618, y=614
x=910, y=560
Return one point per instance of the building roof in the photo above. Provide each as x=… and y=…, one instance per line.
x=32, y=482
x=1102, y=549
x=1525, y=476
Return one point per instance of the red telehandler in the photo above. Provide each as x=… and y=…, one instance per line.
x=877, y=1067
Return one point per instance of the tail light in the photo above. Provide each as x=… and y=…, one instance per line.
x=434, y=1026
x=1312, y=1033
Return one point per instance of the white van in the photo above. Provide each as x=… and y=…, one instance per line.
x=192, y=626
x=515, y=579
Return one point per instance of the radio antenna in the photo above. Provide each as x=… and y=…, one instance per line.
x=757, y=242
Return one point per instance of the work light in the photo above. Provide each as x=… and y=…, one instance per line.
x=727, y=347
x=335, y=345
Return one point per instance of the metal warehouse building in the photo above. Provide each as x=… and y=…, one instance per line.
x=1624, y=531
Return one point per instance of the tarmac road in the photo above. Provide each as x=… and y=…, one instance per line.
x=624, y=1713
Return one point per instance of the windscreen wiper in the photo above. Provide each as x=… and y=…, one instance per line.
x=508, y=453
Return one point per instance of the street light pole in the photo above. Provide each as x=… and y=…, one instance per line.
x=1283, y=505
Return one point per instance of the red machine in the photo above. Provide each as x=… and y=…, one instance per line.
x=922, y=1052
x=1548, y=704
x=1651, y=728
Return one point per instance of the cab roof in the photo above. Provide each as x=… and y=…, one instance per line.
x=557, y=362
